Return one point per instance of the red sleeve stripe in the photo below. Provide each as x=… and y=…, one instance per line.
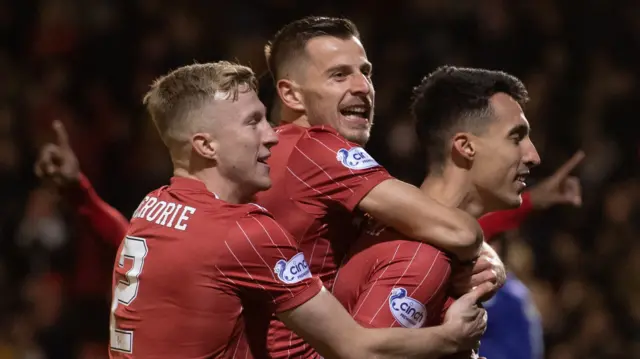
x=325, y=172
x=269, y=270
x=306, y=184
x=235, y=351
x=269, y=235
x=399, y=279
x=284, y=233
x=276, y=246
x=345, y=143
x=324, y=258
x=245, y=269
x=313, y=250
x=334, y=152
x=435, y=259
x=224, y=275
x=442, y=280
x=375, y=282
x=335, y=279
x=340, y=139
x=273, y=275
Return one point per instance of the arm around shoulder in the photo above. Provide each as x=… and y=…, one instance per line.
x=326, y=325
x=414, y=214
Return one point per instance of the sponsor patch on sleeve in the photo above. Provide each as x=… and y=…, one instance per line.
x=409, y=312
x=294, y=270
x=356, y=158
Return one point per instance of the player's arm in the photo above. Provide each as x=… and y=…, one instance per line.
x=104, y=220
x=328, y=170
x=265, y=262
x=58, y=164
x=326, y=325
x=416, y=215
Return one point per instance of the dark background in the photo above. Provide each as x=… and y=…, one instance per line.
x=89, y=62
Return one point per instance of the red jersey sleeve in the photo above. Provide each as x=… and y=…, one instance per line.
x=265, y=261
x=324, y=166
x=407, y=288
x=497, y=222
x=104, y=220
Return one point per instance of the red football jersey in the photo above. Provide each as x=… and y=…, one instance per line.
x=318, y=180
x=197, y=277
x=389, y=281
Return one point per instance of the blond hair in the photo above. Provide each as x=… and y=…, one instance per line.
x=173, y=98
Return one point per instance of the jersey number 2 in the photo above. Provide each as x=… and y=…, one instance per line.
x=134, y=250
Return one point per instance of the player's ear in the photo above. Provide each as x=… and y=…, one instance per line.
x=463, y=148
x=204, y=145
x=290, y=94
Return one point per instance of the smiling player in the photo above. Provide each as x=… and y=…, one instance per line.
x=476, y=143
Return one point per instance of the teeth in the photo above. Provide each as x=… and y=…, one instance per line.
x=356, y=110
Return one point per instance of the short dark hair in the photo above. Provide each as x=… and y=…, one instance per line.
x=453, y=99
x=290, y=41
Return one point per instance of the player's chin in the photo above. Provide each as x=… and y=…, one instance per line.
x=513, y=200
x=505, y=200
x=359, y=135
x=263, y=183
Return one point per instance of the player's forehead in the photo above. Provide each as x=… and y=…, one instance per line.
x=231, y=111
x=248, y=103
x=324, y=52
x=507, y=111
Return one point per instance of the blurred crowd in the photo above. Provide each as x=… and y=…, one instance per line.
x=88, y=63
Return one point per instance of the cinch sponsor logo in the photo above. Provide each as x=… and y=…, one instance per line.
x=407, y=311
x=356, y=158
x=294, y=270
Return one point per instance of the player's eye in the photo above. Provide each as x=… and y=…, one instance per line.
x=254, y=120
x=339, y=75
x=517, y=139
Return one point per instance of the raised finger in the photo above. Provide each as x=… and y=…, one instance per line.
x=62, y=138
x=568, y=166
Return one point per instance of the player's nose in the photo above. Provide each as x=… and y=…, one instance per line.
x=270, y=137
x=360, y=85
x=531, y=156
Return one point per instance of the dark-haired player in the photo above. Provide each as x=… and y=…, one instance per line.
x=323, y=178
x=475, y=139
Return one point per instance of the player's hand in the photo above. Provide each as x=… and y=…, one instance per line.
x=467, y=354
x=560, y=187
x=489, y=268
x=57, y=161
x=467, y=319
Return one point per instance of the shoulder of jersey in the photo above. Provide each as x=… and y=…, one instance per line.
x=324, y=129
x=208, y=202
x=253, y=208
x=240, y=210
x=289, y=129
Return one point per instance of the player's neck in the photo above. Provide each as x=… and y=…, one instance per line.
x=294, y=117
x=224, y=189
x=453, y=188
